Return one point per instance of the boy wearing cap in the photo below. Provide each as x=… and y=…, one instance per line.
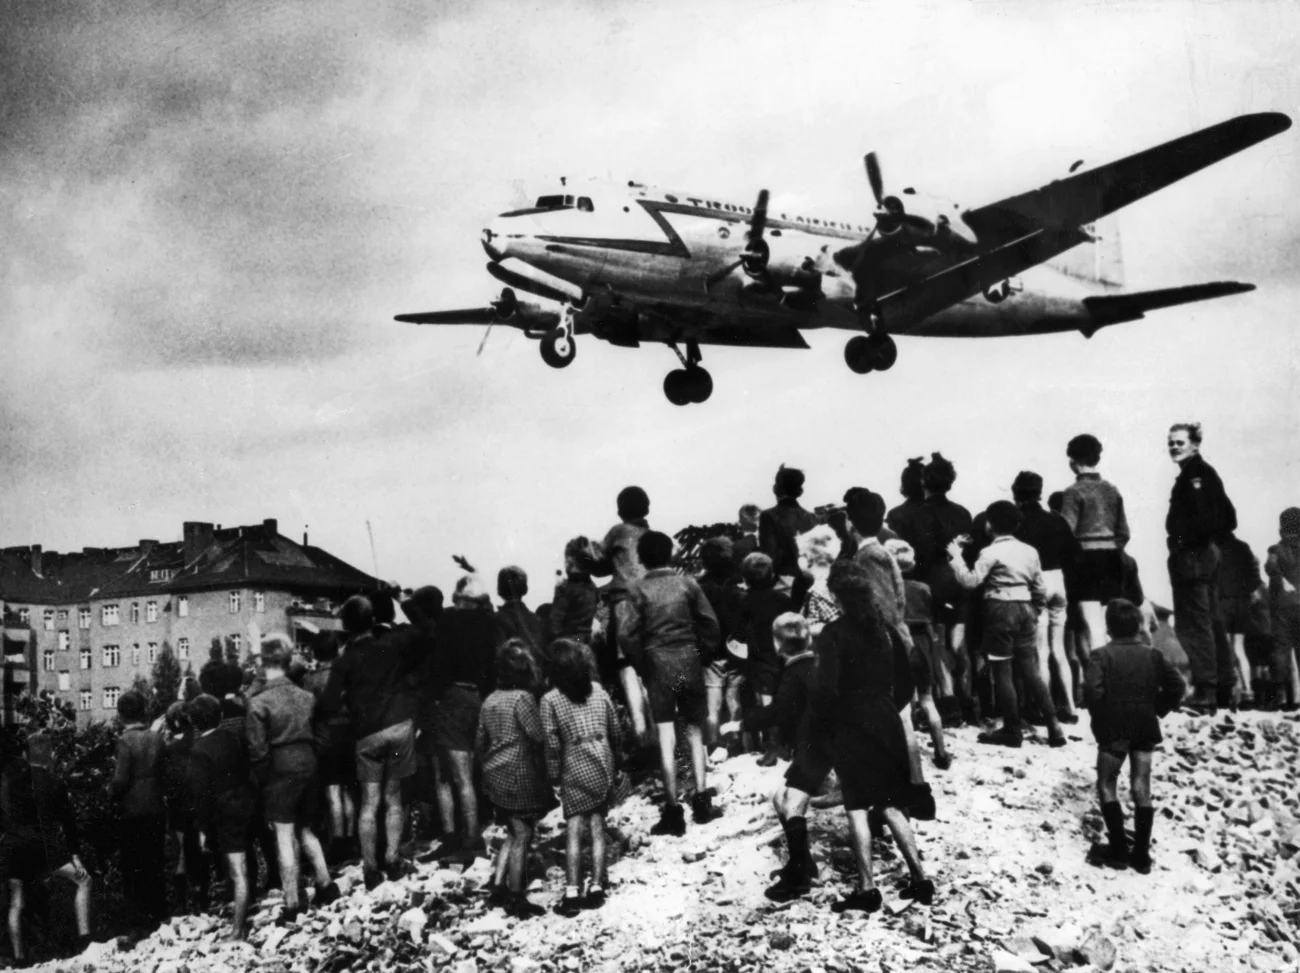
x=1129, y=687
x=1013, y=596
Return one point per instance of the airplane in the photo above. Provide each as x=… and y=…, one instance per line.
x=631, y=263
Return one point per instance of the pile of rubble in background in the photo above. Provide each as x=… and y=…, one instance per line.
x=1007, y=853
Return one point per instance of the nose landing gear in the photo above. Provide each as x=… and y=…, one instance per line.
x=690, y=383
x=871, y=352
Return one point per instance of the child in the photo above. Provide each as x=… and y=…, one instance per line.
x=919, y=616
x=573, y=608
x=793, y=642
x=817, y=552
x=1013, y=596
x=724, y=676
x=221, y=799
x=667, y=629
x=759, y=608
x=1283, y=570
x=1128, y=688
x=582, y=737
x=189, y=874
x=138, y=785
x=510, y=743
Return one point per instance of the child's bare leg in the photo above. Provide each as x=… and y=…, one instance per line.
x=1108, y=768
x=597, y=823
x=16, y=903
x=667, y=760
x=1140, y=776
x=913, y=751
x=905, y=838
x=936, y=725
x=573, y=850
x=521, y=833
x=860, y=837
x=315, y=854
x=237, y=866
x=286, y=851
x=695, y=742
x=713, y=697
x=503, y=859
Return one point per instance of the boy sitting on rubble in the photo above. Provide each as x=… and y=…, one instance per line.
x=1128, y=687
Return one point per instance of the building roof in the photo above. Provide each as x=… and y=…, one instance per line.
x=255, y=556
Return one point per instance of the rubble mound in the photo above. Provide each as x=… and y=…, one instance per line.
x=1006, y=851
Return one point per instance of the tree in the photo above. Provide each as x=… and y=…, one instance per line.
x=166, y=678
x=691, y=539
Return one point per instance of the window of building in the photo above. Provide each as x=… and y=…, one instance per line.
x=109, y=615
x=65, y=681
x=111, y=696
x=135, y=654
x=234, y=602
x=151, y=611
x=65, y=641
x=183, y=647
x=259, y=601
x=83, y=618
x=135, y=613
x=48, y=658
x=47, y=618
x=153, y=652
x=63, y=615
x=85, y=699
x=86, y=656
x=236, y=643
x=112, y=656
x=24, y=616
x=183, y=606
x=158, y=575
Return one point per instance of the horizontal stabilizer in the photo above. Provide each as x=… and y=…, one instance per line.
x=1116, y=308
x=475, y=315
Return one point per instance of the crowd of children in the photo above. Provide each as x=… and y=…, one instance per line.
x=806, y=637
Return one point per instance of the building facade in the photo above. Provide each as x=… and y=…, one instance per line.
x=97, y=620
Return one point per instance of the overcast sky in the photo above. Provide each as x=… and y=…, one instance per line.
x=210, y=218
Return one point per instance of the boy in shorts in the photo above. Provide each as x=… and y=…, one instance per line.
x=1129, y=686
x=282, y=756
x=667, y=629
x=41, y=838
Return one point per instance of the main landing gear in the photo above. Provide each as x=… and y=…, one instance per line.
x=558, y=346
x=690, y=383
x=875, y=352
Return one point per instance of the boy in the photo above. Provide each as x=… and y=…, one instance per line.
x=919, y=617
x=1283, y=570
x=1014, y=595
x=137, y=786
x=281, y=753
x=785, y=712
x=40, y=839
x=759, y=608
x=667, y=629
x=723, y=677
x=1128, y=688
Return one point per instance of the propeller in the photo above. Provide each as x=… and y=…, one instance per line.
x=874, y=177
x=756, y=253
x=502, y=308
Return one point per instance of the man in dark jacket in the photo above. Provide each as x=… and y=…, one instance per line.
x=1200, y=515
x=40, y=837
x=1129, y=687
x=667, y=628
x=779, y=525
x=373, y=678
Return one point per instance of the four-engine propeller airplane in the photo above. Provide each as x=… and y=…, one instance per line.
x=629, y=264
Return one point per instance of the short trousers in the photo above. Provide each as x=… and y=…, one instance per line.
x=456, y=721
x=29, y=861
x=723, y=673
x=764, y=674
x=388, y=754
x=812, y=761
x=1096, y=576
x=674, y=682
x=1009, y=626
x=292, y=791
x=233, y=825
x=921, y=659
x=1120, y=749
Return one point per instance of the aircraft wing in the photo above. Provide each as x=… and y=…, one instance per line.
x=475, y=315
x=1117, y=308
x=1067, y=204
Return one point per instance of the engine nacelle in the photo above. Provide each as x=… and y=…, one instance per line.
x=924, y=220
x=530, y=316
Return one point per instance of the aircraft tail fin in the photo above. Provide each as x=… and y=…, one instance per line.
x=1099, y=261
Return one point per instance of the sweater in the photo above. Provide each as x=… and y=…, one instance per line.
x=138, y=775
x=1094, y=510
x=1127, y=688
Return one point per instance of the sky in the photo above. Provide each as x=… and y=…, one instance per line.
x=210, y=218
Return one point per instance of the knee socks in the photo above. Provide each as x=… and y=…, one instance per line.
x=1113, y=815
x=796, y=839
x=1143, y=819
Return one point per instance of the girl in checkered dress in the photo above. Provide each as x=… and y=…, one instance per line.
x=509, y=743
x=582, y=739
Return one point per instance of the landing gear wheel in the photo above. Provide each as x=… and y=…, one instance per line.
x=677, y=386
x=558, y=348
x=883, y=351
x=859, y=355
x=699, y=383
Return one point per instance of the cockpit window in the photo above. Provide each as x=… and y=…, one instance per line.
x=554, y=202
x=584, y=205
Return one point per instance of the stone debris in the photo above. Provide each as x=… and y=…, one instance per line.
x=1007, y=854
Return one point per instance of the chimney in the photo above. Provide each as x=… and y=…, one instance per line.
x=198, y=538
x=271, y=526
x=304, y=535
x=146, y=545
x=36, y=560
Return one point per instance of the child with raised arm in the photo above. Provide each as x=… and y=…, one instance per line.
x=510, y=742
x=1128, y=687
x=582, y=738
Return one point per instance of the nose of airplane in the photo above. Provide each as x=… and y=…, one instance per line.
x=493, y=243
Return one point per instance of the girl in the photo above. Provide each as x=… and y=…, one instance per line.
x=582, y=737
x=509, y=743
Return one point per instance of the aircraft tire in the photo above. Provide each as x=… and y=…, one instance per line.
x=699, y=384
x=558, y=349
x=858, y=355
x=677, y=387
x=884, y=352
